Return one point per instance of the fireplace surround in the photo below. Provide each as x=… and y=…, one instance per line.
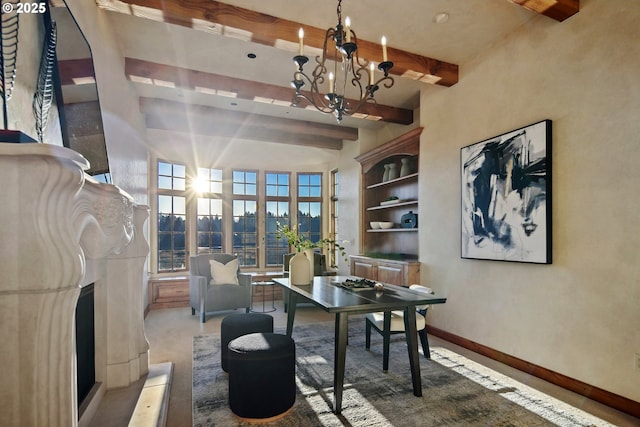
x=62, y=231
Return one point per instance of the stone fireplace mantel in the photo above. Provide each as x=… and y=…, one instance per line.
x=63, y=230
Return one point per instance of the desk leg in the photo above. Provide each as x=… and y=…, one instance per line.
x=412, y=346
x=340, y=356
x=291, y=313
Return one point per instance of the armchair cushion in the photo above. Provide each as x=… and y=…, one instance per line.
x=224, y=274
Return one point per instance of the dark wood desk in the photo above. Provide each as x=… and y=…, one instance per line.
x=326, y=293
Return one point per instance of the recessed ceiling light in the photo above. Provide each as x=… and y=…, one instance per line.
x=251, y=55
x=441, y=18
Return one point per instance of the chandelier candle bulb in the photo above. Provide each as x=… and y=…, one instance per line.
x=347, y=29
x=330, y=82
x=371, y=68
x=301, y=37
x=383, y=41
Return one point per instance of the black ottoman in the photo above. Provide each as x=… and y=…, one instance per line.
x=262, y=369
x=236, y=325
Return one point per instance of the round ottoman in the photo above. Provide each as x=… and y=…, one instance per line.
x=238, y=324
x=262, y=369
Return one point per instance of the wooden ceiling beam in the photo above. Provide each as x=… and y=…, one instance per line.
x=556, y=9
x=272, y=31
x=205, y=120
x=161, y=74
x=76, y=71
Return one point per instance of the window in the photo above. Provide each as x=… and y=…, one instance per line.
x=276, y=210
x=171, y=217
x=171, y=233
x=335, y=189
x=245, y=221
x=208, y=181
x=209, y=210
x=310, y=205
x=209, y=234
x=172, y=176
x=172, y=230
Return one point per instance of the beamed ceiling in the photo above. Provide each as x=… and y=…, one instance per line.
x=189, y=59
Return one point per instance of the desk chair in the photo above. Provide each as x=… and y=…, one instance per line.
x=396, y=326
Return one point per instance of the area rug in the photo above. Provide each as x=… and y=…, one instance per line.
x=456, y=390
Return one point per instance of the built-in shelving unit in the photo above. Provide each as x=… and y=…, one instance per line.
x=397, y=246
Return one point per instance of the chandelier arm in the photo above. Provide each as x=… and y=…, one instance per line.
x=316, y=99
x=349, y=110
x=356, y=81
x=388, y=82
x=322, y=107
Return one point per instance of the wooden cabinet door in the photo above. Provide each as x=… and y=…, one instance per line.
x=363, y=268
x=391, y=273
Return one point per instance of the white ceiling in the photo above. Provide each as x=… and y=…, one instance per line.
x=473, y=27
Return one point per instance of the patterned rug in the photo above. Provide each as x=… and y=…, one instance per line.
x=456, y=390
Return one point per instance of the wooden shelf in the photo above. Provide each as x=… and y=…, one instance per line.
x=393, y=181
x=394, y=205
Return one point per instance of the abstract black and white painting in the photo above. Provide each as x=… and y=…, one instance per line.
x=506, y=196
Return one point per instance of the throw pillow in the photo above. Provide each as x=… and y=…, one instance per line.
x=224, y=274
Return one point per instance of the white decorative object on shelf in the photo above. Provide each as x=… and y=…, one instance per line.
x=374, y=224
x=386, y=224
x=393, y=171
x=390, y=202
x=405, y=169
x=385, y=175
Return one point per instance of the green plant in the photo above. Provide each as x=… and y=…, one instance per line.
x=300, y=242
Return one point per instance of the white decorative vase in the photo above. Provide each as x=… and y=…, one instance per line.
x=405, y=169
x=385, y=175
x=309, y=254
x=393, y=171
x=299, y=269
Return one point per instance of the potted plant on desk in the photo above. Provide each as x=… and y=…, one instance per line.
x=303, y=259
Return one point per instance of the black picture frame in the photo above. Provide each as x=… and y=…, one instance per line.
x=506, y=199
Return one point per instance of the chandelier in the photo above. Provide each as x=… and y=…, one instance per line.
x=340, y=67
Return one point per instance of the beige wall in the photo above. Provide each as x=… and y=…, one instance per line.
x=579, y=316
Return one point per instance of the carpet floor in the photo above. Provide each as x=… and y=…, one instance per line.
x=456, y=390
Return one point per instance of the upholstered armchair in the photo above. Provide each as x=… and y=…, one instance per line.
x=228, y=290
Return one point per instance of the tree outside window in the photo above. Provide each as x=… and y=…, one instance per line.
x=172, y=229
x=310, y=206
x=276, y=211
x=245, y=217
